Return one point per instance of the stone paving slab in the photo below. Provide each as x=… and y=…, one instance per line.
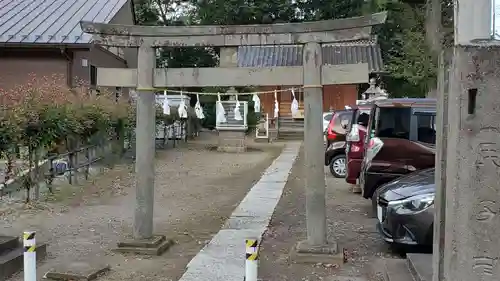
x=84, y=271
x=276, y=177
x=246, y=223
x=224, y=257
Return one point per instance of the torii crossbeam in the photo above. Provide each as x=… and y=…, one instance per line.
x=313, y=75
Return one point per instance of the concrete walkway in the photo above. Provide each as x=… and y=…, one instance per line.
x=224, y=257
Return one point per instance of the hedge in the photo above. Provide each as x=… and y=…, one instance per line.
x=42, y=114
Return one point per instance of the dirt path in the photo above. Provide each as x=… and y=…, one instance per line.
x=196, y=190
x=348, y=222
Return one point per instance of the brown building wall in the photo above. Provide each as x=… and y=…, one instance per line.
x=338, y=96
x=18, y=65
x=334, y=96
x=125, y=16
x=267, y=100
x=97, y=57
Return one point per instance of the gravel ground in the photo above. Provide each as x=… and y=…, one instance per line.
x=348, y=223
x=196, y=190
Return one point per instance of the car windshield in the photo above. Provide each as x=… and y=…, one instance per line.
x=397, y=123
x=393, y=122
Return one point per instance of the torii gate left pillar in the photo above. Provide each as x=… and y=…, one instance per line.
x=145, y=144
x=313, y=75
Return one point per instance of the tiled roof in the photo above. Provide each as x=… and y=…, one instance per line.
x=333, y=54
x=52, y=21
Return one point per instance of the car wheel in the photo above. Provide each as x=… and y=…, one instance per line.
x=338, y=166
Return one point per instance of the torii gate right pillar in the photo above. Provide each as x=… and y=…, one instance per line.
x=471, y=195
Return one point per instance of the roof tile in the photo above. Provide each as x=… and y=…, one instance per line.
x=333, y=54
x=52, y=21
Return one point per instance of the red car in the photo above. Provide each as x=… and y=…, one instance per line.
x=355, y=142
x=336, y=136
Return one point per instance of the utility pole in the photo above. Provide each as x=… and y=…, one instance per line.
x=472, y=167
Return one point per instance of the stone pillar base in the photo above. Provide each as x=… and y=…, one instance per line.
x=154, y=246
x=232, y=141
x=303, y=252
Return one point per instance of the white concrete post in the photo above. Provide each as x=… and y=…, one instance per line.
x=313, y=146
x=145, y=145
x=29, y=256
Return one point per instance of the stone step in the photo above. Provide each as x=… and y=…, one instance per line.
x=291, y=129
x=396, y=270
x=291, y=126
x=420, y=266
x=290, y=120
x=13, y=261
x=290, y=136
x=8, y=243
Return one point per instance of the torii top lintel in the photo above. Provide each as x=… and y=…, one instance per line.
x=327, y=31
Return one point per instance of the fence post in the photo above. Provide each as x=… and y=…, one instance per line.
x=36, y=177
x=70, y=167
x=29, y=255
x=51, y=175
x=251, y=259
x=89, y=161
x=76, y=164
x=165, y=136
x=174, y=132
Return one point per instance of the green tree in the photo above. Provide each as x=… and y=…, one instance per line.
x=410, y=64
x=330, y=9
x=229, y=12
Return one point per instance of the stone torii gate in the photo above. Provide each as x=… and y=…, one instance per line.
x=313, y=75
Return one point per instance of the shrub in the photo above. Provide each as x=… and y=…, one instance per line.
x=43, y=115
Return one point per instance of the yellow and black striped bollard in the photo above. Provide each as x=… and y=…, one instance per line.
x=251, y=259
x=29, y=244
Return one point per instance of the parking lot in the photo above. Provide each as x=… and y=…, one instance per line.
x=349, y=223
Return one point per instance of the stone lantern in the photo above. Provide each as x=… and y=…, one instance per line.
x=374, y=91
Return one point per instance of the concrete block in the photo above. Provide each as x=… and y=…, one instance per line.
x=81, y=271
x=8, y=243
x=155, y=246
x=420, y=266
x=13, y=261
x=396, y=270
x=303, y=252
x=232, y=141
